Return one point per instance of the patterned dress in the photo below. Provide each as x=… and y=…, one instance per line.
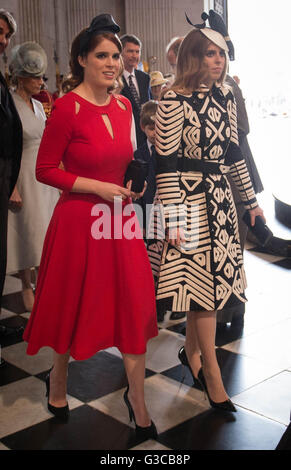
x=197, y=144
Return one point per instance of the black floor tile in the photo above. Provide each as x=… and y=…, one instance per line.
x=17, y=322
x=9, y=373
x=181, y=374
x=178, y=328
x=240, y=372
x=217, y=430
x=86, y=429
x=285, y=441
x=91, y=379
x=228, y=333
x=13, y=302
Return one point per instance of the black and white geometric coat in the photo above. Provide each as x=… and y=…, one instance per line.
x=197, y=144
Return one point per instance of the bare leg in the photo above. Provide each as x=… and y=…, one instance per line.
x=202, y=332
x=27, y=292
x=135, y=371
x=192, y=346
x=58, y=380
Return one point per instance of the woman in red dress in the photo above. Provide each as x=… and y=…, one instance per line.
x=95, y=290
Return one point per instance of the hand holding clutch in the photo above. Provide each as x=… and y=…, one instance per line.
x=137, y=171
x=261, y=231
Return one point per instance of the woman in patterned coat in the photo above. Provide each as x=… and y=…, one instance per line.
x=198, y=264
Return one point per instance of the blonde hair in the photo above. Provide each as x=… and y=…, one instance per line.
x=191, y=70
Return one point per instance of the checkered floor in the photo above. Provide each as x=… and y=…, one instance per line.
x=255, y=360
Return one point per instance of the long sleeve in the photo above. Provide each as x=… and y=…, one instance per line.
x=238, y=168
x=56, y=138
x=169, y=126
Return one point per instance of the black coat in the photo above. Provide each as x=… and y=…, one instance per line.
x=143, y=81
x=143, y=153
x=10, y=158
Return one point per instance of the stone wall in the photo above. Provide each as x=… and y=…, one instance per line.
x=54, y=23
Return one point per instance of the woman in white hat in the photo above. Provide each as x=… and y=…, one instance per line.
x=157, y=83
x=201, y=266
x=31, y=203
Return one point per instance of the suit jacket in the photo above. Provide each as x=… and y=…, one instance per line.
x=10, y=155
x=243, y=129
x=143, y=81
x=143, y=153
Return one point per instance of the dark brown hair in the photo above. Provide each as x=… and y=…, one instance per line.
x=148, y=111
x=6, y=16
x=76, y=75
x=190, y=64
x=130, y=38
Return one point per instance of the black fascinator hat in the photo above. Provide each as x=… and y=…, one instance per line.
x=103, y=23
x=216, y=30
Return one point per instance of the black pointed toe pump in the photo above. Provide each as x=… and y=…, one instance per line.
x=148, y=432
x=226, y=405
x=59, y=412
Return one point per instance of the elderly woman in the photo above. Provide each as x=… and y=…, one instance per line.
x=157, y=83
x=31, y=203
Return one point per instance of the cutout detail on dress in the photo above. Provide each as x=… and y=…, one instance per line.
x=108, y=125
x=77, y=107
x=122, y=105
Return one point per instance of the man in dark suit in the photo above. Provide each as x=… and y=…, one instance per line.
x=136, y=83
x=10, y=152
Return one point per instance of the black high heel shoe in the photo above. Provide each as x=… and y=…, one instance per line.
x=184, y=361
x=148, y=432
x=59, y=412
x=226, y=405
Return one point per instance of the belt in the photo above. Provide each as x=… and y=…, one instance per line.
x=192, y=164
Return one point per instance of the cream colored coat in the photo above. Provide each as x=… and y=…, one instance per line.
x=27, y=228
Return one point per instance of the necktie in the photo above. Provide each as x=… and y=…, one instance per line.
x=153, y=156
x=134, y=92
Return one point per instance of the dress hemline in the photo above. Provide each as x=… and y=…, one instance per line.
x=32, y=351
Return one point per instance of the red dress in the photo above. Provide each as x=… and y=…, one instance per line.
x=91, y=293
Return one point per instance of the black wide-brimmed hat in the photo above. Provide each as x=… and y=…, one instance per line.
x=217, y=32
x=103, y=23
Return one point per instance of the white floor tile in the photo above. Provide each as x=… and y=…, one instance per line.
x=12, y=284
x=150, y=445
x=169, y=403
x=162, y=351
x=25, y=405
x=271, y=346
x=16, y=355
x=270, y=398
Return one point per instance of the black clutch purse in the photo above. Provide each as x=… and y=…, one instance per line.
x=261, y=231
x=137, y=171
